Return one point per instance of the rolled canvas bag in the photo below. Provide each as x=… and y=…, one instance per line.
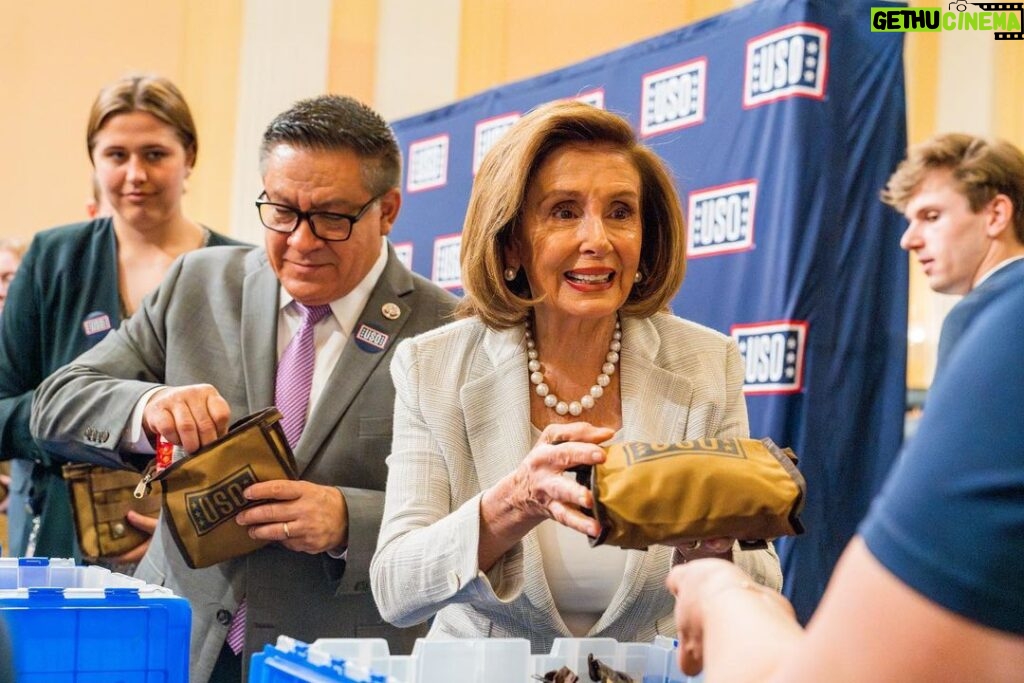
x=100, y=500
x=648, y=493
x=202, y=493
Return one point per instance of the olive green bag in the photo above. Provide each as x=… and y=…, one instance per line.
x=649, y=493
x=100, y=500
x=202, y=492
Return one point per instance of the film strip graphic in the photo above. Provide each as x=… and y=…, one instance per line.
x=1004, y=7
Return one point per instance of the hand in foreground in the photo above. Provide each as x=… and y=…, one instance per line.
x=190, y=416
x=300, y=515
x=144, y=524
x=706, y=585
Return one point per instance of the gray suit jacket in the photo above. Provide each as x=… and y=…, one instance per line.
x=462, y=422
x=214, y=320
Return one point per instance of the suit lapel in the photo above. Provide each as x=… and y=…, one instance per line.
x=259, y=333
x=359, y=358
x=496, y=406
x=655, y=402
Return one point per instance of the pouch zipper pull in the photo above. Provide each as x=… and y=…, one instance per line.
x=143, y=486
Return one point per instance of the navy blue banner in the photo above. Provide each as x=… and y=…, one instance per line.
x=781, y=121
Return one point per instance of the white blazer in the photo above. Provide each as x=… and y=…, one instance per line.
x=462, y=422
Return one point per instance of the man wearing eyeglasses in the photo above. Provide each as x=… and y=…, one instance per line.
x=316, y=313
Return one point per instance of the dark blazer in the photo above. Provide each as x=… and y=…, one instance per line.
x=974, y=302
x=63, y=301
x=214, y=320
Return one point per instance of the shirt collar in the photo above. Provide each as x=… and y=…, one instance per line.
x=346, y=309
x=997, y=268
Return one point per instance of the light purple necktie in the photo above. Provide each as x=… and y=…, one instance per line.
x=295, y=373
x=291, y=396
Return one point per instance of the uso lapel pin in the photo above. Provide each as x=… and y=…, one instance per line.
x=370, y=339
x=96, y=322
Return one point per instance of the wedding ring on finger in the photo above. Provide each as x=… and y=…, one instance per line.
x=284, y=525
x=693, y=545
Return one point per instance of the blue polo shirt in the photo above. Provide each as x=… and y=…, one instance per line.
x=949, y=522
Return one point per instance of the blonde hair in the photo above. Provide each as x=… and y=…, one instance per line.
x=499, y=191
x=152, y=94
x=13, y=245
x=981, y=169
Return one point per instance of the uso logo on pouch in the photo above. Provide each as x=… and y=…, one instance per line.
x=639, y=451
x=95, y=323
x=208, y=508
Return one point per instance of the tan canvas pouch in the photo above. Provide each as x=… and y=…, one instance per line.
x=649, y=493
x=100, y=500
x=202, y=492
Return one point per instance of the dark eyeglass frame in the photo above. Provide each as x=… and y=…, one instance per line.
x=309, y=217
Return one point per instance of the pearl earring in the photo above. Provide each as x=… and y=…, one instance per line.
x=510, y=274
x=638, y=277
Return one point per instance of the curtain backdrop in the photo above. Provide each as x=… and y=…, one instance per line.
x=781, y=121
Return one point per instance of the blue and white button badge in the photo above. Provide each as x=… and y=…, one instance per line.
x=370, y=339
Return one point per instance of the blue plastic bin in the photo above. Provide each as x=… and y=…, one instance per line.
x=73, y=624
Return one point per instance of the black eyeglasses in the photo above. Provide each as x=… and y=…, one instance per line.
x=328, y=226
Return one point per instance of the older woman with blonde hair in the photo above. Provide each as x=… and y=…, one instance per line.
x=573, y=246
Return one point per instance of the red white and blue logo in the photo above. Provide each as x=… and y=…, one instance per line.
x=773, y=356
x=673, y=97
x=791, y=61
x=428, y=164
x=370, y=339
x=403, y=251
x=487, y=133
x=95, y=323
x=445, y=271
x=595, y=98
x=721, y=219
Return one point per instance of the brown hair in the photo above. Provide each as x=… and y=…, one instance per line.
x=496, y=203
x=981, y=169
x=152, y=94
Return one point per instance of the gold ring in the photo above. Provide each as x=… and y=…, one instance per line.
x=286, y=534
x=693, y=546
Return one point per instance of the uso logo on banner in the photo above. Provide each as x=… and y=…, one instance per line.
x=673, y=97
x=428, y=164
x=488, y=132
x=595, y=98
x=403, y=251
x=721, y=219
x=773, y=356
x=445, y=271
x=791, y=61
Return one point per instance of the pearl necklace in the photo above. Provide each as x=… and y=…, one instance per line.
x=573, y=408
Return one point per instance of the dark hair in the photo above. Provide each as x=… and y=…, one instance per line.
x=981, y=169
x=337, y=122
x=499, y=191
x=152, y=94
